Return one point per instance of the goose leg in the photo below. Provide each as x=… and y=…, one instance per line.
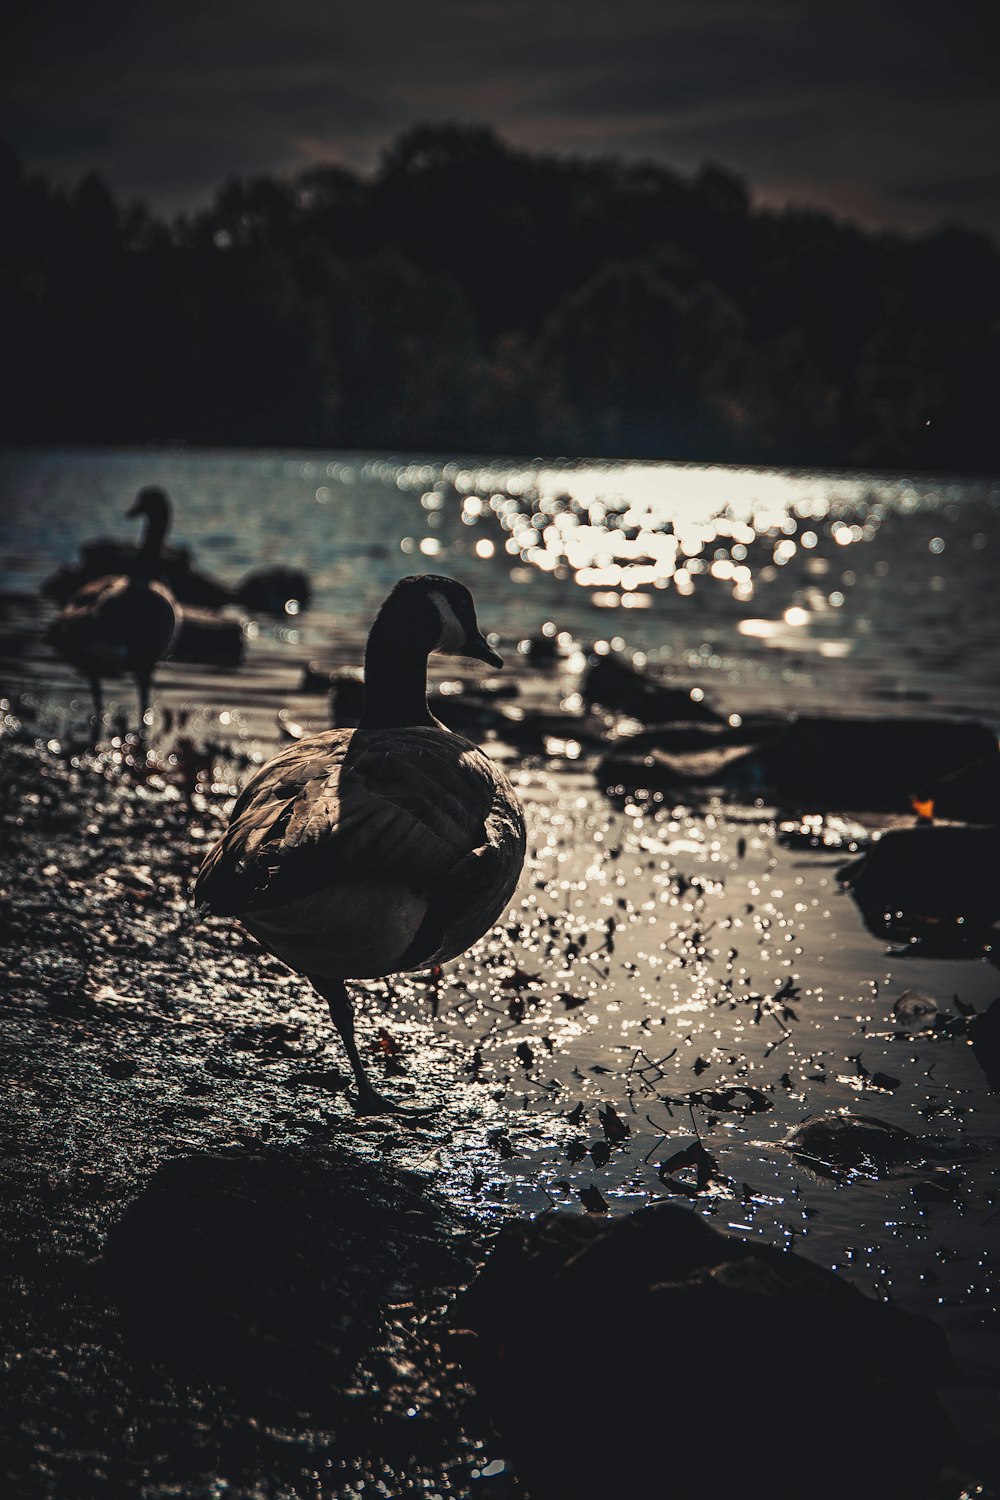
x=142, y=683
x=369, y=1100
x=97, y=695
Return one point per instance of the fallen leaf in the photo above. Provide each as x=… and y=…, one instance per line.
x=694, y=1156
x=593, y=1200
x=615, y=1128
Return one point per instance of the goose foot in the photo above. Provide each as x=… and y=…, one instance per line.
x=371, y=1102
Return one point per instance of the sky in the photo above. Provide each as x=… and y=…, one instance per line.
x=887, y=112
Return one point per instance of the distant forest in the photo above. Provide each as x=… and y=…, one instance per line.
x=473, y=297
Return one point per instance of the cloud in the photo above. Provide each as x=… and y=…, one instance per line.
x=892, y=106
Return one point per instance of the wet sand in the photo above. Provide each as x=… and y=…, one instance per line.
x=672, y=959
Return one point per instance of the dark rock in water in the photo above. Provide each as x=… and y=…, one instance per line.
x=675, y=756
x=106, y=556
x=615, y=1357
x=541, y=649
x=826, y=764
x=531, y=730
x=826, y=831
x=268, y=1273
x=972, y=794
x=468, y=711
x=936, y=886
x=984, y=1031
x=660, y=771
x=211, y=639
x=465, y=713
x=837, y=1143
x=269, y=591
x=692, y=739
x=912, y=1006
x=617, y=685
x=317, y=677
x=347, y=698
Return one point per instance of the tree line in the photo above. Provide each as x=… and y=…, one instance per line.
x=471, y=296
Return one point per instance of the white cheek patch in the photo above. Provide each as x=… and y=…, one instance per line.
x=452, y=638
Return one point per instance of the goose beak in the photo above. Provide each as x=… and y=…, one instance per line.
x=479, y=649
x=133, y=509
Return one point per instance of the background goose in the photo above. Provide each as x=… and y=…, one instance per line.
x=124, y=622
x=365, y=852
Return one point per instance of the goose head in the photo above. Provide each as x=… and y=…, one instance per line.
x=152, y=503
x=440, y=614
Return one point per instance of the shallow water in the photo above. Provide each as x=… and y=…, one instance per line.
x=772, y=588
x=654, y=952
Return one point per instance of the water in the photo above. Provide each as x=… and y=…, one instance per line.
x=826, y=593
x=776, y=589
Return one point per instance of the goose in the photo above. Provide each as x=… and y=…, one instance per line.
x=124, y=622
x=362, y=853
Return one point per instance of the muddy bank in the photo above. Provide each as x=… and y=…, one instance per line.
x=220, y=1276
x=202, y=1242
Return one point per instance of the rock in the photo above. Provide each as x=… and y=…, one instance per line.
x=971, y=794
x=468, y=711
x=827, y=831
x=317, y=677
x=616, y=1356
x=836, y=1144
x=877, y=764
x=912, y=1006
x=616, y=684
x=939, y=886
x=541, y=649
x=984, y=1031
x=694, y=739
x=347, y=698
x=270, y=591
x=531, y=729
x=465, y=713
x=212, y=639
x=269, y=1271
x=660, y=770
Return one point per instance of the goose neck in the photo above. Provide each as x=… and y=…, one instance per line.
x=395, y=681
x=147, y=563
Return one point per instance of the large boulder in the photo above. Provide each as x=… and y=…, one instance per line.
x=652, y=1355
x=615, y=684
x=876, y=764
x=269, y=1272
x=210, y=639
x=277, y=590
x=939, y=886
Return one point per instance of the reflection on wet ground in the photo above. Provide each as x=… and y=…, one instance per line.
x=683, y=1004
x=672, y=988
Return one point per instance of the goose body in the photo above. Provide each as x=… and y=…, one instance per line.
x=361, y=853
x=123, y=623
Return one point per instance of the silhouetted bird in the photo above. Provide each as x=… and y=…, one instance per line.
x=125, y=622
x=361, y=853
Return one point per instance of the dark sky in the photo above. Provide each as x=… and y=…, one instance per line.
x=886, y=112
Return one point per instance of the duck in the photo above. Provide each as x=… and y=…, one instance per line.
x=361, y=853
x=123, y=622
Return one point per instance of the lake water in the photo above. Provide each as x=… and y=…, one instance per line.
x=774, y=588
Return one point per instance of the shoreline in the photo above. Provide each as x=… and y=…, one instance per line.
x=186, y=1041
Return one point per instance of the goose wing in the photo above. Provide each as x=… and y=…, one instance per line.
x=413, y=806
x=114, y=623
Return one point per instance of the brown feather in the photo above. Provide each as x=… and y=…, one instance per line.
x=415, y=809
